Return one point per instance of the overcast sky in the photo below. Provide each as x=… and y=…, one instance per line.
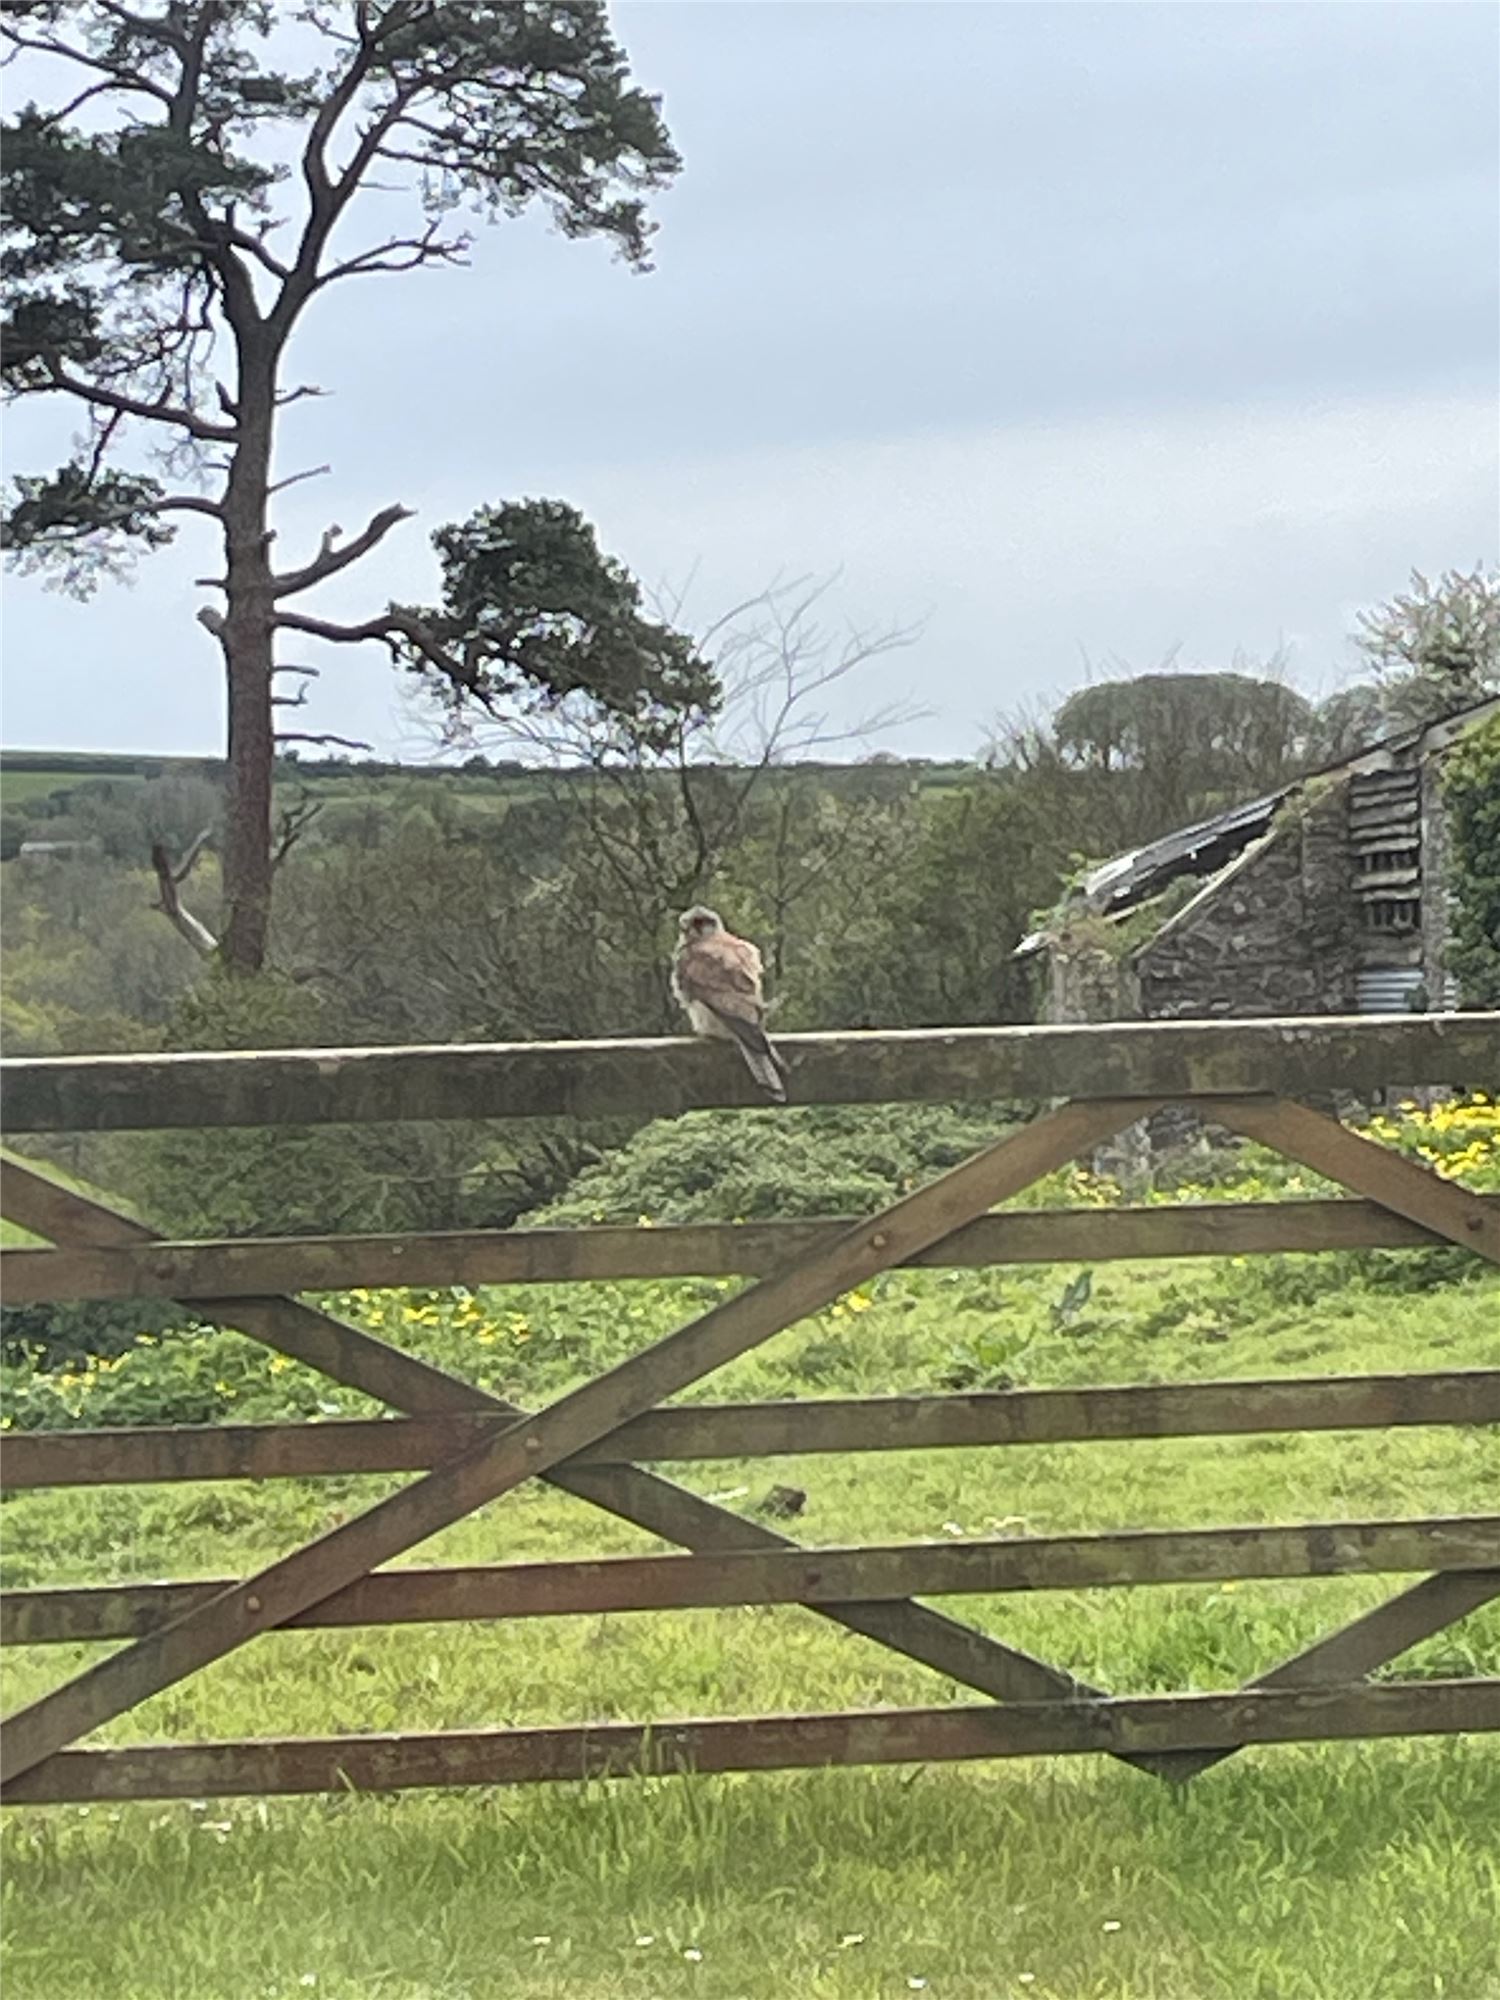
x=1078, y=332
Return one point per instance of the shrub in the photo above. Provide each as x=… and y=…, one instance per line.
x=1472, y=784
x=201, y=1375
x=62, y=1335
x=797, y=1164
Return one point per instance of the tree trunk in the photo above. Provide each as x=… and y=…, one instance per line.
x=247, y=639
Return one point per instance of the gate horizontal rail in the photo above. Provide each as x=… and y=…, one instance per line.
x=869, y=1573
x=1137, y=1728
x=657, y=1078
x=468, y=1446
x=703, y=1431
x=250, y=1267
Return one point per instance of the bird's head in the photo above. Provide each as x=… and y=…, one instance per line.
x=698, y=923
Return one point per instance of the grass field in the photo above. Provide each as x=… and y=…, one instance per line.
x=26, y=775
x=1324, y=1873
x=18, y=786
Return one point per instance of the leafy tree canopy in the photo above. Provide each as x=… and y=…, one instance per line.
x=127, y=248
x=1436, y=646
x=533, y=612
x=1472, y=782
x=196, y=180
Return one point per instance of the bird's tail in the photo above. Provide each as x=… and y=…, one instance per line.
x=761, y=1058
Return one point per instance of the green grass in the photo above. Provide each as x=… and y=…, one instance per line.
x=28, y=774
x=18, y=786
x=1298, y=1876
x=1317, y=1873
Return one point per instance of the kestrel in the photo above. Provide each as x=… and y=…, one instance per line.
x=717, y=978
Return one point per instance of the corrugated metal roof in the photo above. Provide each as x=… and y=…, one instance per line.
x=1130, y=878
x=1386, y=989
x=1125, y=880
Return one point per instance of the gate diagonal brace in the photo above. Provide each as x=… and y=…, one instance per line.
x=1362, y=1167
x=538, y=1444
x=1328, y=1147
x=1353, y=1652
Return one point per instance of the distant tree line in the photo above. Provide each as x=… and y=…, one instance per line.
x=542, y=904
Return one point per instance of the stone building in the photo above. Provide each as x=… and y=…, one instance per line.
x=1325, y=897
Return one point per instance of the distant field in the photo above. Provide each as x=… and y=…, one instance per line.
x=32, y=774
x=17, y=786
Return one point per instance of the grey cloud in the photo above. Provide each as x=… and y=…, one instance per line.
x=1022, y=313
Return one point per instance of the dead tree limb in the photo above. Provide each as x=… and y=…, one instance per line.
x=169, y=878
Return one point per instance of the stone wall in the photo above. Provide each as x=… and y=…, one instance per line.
x=1087, y=983
x=1276, y=934
x=1280, y=931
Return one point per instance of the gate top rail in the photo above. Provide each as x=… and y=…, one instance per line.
x=596, y=1079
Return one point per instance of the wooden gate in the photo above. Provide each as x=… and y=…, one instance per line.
x=469, y=1447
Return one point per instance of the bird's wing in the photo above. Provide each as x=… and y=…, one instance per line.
x=722, y=973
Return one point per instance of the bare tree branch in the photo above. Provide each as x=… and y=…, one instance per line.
x=390, y=628
x=293, y=823
x=255, y=245
x=135, y=406
x=189, y=860
x=77, y=103
x=330, y=560
x=129, y=82
x=328, y=196
x=187, y=503
x=428, y=248
x=319, y=182
x=169, y=877
x=340, y=742
x=297, y=479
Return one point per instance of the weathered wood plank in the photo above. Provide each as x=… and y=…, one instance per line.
x=646, y=1500
x=1058, y=1416
x=871, y=1574
x=602, y=1079
x=248, y=1267
x=1126, y=1727
x=1374, y=1171
x=344, y=1353
x=169, y=1452
x=159, y=1454
x=30, y=1198
x=1358, y=1648
x=579, y=1418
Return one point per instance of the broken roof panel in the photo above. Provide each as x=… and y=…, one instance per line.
x=1130, y=878
x=1126, y=880
x=1118, y=885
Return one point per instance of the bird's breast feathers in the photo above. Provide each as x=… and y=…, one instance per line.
x=722, y=973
